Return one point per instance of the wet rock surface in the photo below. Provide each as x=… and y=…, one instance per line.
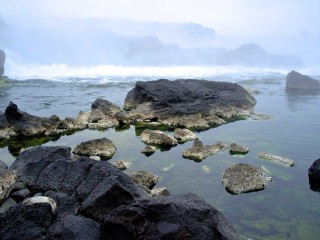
x=156, y=137
x=205, y=102
x=103, y=148
x=198, y=152
x=184, y=135
x=173, y=217
x=237, y=149
x=243, y=178
x=277, y=159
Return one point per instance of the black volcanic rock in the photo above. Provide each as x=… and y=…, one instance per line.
x=163, y=99
x=2, y=60
x=314, y=175
x=184, y=216
x=27, y=222
x=99, y=187
x=297, y=81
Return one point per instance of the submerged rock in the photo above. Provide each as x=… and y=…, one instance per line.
x=189, y=103
x=184, y=216
x=184, y=135
x=198, y=152
x=237, y=149
x=278, y=159
x=243, y=178
x=156, y=137
x=296, y=81
x=103, y=148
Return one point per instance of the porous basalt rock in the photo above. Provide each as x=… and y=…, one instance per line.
x=7, y=181
x=144, y=178
x=174, y=102
x=184, y=135
x=98, y=186
x=184, y=216
x=237, y=149
x=198, y=151
x=149, y=150
x=156, y=137
x=243, y=178
x=103, y=148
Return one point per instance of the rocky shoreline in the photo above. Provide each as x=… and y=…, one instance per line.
x=81, y=195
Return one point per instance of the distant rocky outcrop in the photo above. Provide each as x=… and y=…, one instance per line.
x=297, y=81
x=204, y=103
x=2, y=60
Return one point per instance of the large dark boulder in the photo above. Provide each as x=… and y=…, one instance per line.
x=98, y=187
x=26, y=222
x=184, y=216
x=70, y=227
x=297, y=81
x=163, y=99
x=2, y=60
x=314, y=175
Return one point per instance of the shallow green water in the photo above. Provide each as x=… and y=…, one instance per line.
x=286, y=209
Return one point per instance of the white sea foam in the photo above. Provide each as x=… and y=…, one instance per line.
x=107, y=73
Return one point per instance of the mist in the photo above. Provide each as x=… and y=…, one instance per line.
x=44, y=34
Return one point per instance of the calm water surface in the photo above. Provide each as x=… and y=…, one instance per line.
x=286, y=209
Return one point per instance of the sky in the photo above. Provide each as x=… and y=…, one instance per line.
x=286, y=18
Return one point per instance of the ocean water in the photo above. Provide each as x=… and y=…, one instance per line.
x=286, y=209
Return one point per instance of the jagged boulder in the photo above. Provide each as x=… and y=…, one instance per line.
x=298, y=81
x=184, y=216
x=98, y=187
x=2, y=61
x=165, y=100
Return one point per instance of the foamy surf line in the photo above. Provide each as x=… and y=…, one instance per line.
x=63, y=72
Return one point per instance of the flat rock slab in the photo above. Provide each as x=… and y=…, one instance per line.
x=198, y=152
x=243, y=178
x=156, y=137
x=184, y=216
x=237, y=149
x=278, y=159
x=103, y=148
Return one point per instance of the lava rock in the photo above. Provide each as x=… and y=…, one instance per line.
x=198, y=152
x=237, y=149
x=7, y=204
x=314, y=175
x=185, y=216
x=144, y=178
x=184, y=135
x=74, y=228
x=164, y=99
x=149, y=150
x=103, y=148
x=20, y=195
x=156, y=137
x=7, y=181
x=26, y=222
x=242, y=178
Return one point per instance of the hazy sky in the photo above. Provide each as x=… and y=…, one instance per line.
x=284, y=18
